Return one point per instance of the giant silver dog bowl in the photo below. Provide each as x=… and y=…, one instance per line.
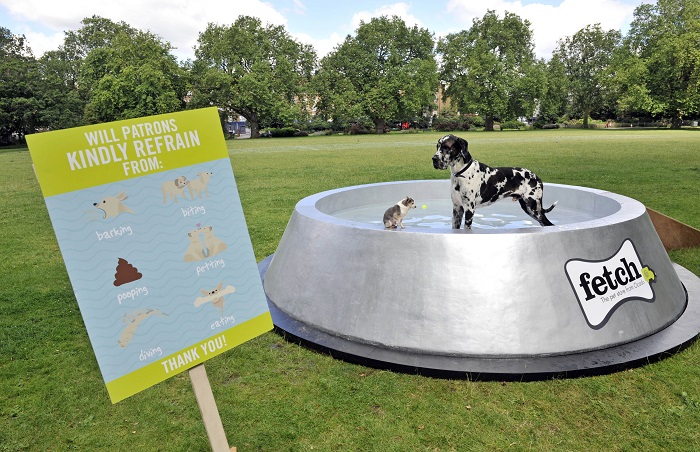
x=498, y=298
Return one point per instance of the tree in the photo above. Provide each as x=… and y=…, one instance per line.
x=64, y=96
x=661, y=71
x=61, y=103
x=490, y=68
x=386, y=72
x=258, y=72
x=107, y=71
x=18, y=84
x=554, y=96
x=135, y=75
x=587, y=57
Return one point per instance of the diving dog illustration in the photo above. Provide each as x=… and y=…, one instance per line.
x=132, y=321
x=394, y=215
x=112, y=206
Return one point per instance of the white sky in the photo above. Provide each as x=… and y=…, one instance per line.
x=322, y=24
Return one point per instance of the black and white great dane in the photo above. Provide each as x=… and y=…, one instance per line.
x=475, y=184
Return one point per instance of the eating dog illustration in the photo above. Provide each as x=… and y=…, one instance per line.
x=214, y=296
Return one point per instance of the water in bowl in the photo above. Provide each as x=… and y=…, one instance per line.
x=437, y=214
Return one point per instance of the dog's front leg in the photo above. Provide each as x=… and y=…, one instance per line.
x=457, y=214
x=468, y=217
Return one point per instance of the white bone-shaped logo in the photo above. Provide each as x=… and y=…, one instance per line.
x=602, y=286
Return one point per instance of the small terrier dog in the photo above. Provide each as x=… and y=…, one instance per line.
x=393, y=217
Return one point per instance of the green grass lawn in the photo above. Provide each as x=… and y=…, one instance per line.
x=274, y=395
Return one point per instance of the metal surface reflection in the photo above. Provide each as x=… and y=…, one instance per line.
x=498, y=290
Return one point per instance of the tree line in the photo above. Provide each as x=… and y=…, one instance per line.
x=384, y=73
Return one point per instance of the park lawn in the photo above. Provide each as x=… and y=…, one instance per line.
x=274, y=395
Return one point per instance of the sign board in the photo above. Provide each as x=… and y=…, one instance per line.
x=151, y=228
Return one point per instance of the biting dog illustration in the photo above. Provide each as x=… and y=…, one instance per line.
x=173, y=188
x=112, y=206
x=199, y=185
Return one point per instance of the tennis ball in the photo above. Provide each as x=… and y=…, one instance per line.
x=424, y=206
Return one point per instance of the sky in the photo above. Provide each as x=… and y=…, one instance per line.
x=322, y=24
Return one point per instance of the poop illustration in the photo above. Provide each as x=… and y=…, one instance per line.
x=196, y=250
x=126, y=273
x=133, y=320
x=214, y=296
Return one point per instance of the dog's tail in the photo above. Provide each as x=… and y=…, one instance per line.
x=551, y=207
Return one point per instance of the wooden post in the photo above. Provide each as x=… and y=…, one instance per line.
x=210, y=413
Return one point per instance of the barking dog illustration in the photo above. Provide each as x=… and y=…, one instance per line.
x=112, y=206
x=475, y=184
x=394, y=215
x=173, y=188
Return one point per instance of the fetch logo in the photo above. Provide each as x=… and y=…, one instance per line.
x=602, y=286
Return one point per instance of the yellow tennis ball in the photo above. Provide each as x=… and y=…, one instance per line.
x=424, y=206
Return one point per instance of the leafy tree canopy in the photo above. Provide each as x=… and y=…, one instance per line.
x=661, y=69
x=132, y=74
x=386, y=72
x=19, y=105
x=258, y=72
x=490, y=69
x=587, y=57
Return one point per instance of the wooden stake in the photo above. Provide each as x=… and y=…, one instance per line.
x=210, y=413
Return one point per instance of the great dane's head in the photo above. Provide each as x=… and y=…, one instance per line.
x=450, y=149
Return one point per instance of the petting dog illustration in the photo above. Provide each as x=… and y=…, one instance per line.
x=198, y=250
x=475, y=184
x=212, y=243
x=195, y=249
